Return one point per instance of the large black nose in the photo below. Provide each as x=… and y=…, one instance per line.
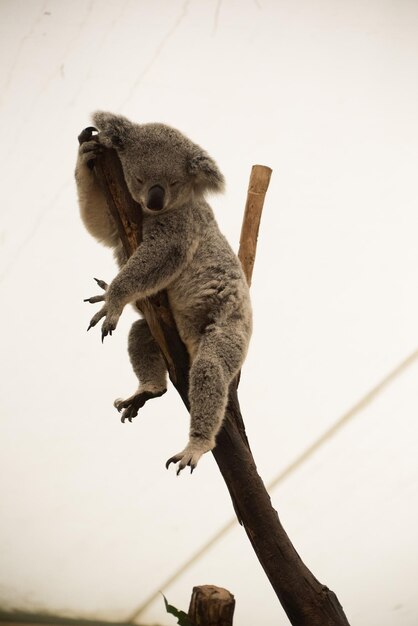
x=155, y=200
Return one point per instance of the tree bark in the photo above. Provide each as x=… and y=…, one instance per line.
x=305, y=600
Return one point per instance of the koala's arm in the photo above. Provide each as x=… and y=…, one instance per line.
x=166, y=248
x=93, y=206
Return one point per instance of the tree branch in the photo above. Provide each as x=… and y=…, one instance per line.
x=306, y=601
x=257, y=189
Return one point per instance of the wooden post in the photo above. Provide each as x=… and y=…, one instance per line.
x=306, y=601
x=257, y=189
x=211, y=606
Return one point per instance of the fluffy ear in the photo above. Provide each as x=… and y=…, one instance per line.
x=204, y=172
x=114, y=129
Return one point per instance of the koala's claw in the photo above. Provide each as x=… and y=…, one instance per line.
x=190, y=456
x=94, y=299
x=101, y=297
x=107, y=328
x=175, y=459
x=132, y=405
x=101, y=283
x=98, y=316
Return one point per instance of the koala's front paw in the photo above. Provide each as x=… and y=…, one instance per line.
x=132, y=405
x=112, y=316
x=110, y=322
x=101, y=298
x=191, y=454
x=113, y=129
x=88, y=153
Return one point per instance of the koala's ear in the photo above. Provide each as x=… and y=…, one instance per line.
x=113, y=129
x=204, y=172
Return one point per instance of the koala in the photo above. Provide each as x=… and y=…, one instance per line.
x=184, y=253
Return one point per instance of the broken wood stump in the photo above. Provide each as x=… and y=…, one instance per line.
x=211, y=606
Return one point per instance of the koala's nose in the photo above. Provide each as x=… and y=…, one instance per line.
x=155, y=200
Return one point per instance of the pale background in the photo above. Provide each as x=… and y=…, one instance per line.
x=325, y=93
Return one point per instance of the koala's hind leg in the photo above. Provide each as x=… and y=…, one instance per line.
x=219, y=358
x=148, y=365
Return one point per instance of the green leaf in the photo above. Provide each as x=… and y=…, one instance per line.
x=182, y=617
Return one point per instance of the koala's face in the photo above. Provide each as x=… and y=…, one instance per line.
x=163, y=168
x=155, y=164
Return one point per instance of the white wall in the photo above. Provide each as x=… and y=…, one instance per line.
x=326, y=93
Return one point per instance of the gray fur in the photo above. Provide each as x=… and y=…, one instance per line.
x=183, y=252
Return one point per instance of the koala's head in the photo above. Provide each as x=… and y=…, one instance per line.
x=163, y=168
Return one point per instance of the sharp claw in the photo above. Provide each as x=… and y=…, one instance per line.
x=104, y=334
x=94, y=299
x=93, y=323
x=101, y=283
x=168, y=463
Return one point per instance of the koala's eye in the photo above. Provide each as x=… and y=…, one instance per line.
x=140, y=181
x=174, y=183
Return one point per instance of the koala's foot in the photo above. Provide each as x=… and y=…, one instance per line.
x=132, y=405
x=191, y=454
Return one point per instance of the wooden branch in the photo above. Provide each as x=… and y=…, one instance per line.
x=306, y=601
x=257, y=189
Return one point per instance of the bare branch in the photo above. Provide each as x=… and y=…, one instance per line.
x=257, y=189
